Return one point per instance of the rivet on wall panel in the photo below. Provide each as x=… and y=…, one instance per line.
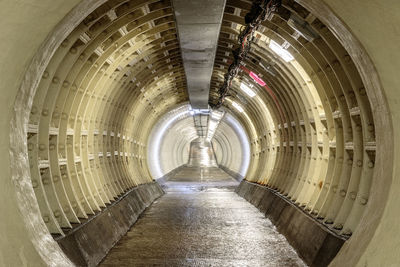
x=45, y=75
x=46, y=219
x=45, y=180
x=56, y=178
x=347, y=58
x=30, y=146
x=343, y=193
x=65, y=43
x=66, y=209
x=56, y=80
x=370, y=164
x=34, y=110
x=56, y=115
x=363, y=200
x=57, y=213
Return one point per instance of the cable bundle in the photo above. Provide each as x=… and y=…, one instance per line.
x=260, y=11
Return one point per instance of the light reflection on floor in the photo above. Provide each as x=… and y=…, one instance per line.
x=202, y=223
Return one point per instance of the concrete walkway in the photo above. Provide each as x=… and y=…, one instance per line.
x=202, y=224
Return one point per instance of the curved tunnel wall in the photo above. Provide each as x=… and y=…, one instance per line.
x=168, y=144
x=322, y=140
x=324, y=60
x=91, y=113
x=231, y=145
x=170, y=138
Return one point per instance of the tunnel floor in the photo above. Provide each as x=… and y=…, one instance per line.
x=201, y=222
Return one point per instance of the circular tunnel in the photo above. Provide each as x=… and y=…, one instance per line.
x=170, y=139
x=102, y=107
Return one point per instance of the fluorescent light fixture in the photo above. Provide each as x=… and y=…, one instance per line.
x=302, y=27
x=268, y=68
x=247, y=90
x=213, y=123
x=283, y=53
x=237, y=106
x=194, y=111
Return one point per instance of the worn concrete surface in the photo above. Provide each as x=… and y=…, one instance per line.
x=199, y=174
x=90, y=241
x=201, y=223
x=315, y=243
x=202, y=153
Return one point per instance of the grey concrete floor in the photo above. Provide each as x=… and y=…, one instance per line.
x=199, y=222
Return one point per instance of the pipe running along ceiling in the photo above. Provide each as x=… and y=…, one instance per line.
x=309, y=123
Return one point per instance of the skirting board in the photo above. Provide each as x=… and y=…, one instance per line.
x=316, y=244
x=88, y=243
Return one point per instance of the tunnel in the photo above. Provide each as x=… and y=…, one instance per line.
x=106, y=103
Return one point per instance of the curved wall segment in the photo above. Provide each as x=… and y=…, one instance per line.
x=232, y=146
x=79, y=116
x=322, y=140
x=170, y=139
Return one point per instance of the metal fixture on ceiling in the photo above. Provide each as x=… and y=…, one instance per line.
x=302, y=27
x=198, y=24
x=260, y=11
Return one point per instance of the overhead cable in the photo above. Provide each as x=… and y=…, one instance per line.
x=260, y=11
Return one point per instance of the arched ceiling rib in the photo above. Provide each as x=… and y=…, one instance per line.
x=311, y=127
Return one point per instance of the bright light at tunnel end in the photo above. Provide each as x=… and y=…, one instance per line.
x=157, y=135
